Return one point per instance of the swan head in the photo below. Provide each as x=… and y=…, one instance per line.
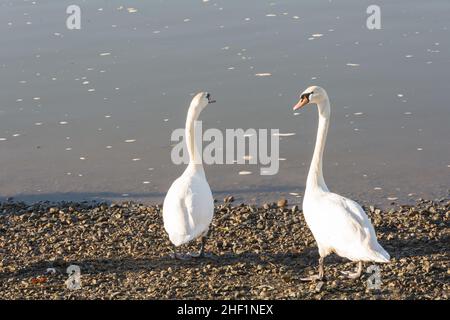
x=201, y=100
x=313, y=94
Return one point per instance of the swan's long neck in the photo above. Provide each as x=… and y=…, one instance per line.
x=195, y=158
x=315, y=176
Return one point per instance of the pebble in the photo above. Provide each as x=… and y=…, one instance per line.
x=319, y=286
x=282, y=203
x=228, y=199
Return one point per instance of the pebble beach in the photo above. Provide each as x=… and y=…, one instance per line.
x=253, y=252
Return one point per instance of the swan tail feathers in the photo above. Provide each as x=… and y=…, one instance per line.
x=380, y=256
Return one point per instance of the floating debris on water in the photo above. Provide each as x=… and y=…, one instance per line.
x=267, y=74
x=353, y=64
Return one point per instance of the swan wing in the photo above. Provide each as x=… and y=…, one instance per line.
x=357, y=238
x=340, y=225
x=188, y=209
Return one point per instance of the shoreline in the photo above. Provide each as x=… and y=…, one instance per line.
x=294, y=196
x=257, y=252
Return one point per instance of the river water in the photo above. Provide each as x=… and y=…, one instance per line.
x=88, y=114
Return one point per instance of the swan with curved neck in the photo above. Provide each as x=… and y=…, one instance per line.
x=339, y=225
x=189, y=206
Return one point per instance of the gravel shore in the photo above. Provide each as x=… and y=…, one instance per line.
x=255, y=253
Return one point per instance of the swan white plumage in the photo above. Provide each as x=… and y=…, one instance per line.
x=339, y=225
x=189, y=205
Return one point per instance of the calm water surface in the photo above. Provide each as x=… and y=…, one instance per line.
x=87, y=114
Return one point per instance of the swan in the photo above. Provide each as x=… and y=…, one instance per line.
x=189, y=205
x=339, y=225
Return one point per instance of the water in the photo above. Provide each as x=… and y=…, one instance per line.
x=87, y=114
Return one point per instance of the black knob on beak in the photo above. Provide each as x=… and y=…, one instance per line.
x=208, y=96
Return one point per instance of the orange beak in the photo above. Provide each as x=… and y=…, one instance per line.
x=301, y=103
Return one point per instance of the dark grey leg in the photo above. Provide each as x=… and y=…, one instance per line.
x=201, y=254
x=316, y=276
x=178, y=256
x=354, y=275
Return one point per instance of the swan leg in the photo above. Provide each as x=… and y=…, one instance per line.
x=316, y=276
x=201, y=254
x=179, y=256
x=354, y=275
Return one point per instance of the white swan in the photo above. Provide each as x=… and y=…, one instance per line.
x=339, y=225
x=189, y=205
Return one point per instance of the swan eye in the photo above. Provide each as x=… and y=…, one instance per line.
x=306, y=95
x=210, y=100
